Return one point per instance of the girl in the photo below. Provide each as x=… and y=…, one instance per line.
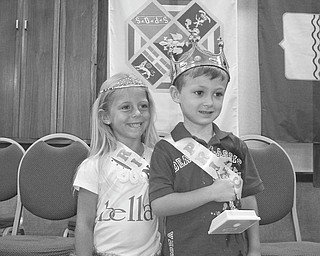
x=114, y=215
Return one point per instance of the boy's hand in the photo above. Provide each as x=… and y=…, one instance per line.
x=222, y=190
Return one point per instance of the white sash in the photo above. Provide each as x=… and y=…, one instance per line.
x=216, y=167
x=130, y=160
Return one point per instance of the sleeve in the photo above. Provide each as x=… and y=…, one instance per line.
x=162, y=173
x=87, y=176
x=252, y=183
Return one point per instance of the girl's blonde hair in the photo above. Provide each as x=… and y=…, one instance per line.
x=103, y=139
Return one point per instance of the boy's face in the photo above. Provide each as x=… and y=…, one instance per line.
x=200, y=100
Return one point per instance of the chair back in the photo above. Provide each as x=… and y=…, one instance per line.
x=278, y=175
x=11, y=153
x=45, y=177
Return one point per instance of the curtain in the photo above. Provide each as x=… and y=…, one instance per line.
x=289, y=53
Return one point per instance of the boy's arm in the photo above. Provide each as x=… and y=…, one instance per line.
x=177, y=203
x=250, y=203
x=86, y=212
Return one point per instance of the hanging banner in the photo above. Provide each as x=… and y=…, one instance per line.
x=139, y=31
x=289, y=57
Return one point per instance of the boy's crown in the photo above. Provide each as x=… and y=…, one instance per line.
x=197, y=57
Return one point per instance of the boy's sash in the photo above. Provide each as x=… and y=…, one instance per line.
x=216, y=167
x=131, y=161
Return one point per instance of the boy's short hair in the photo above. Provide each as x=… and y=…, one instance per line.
x=209, y=71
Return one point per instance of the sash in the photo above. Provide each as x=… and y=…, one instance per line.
x=216, y=167
x=133, y=166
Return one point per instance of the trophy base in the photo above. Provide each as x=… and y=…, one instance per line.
x=233, y=222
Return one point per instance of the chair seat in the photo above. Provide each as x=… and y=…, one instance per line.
x=24, y=245
x=290, y=249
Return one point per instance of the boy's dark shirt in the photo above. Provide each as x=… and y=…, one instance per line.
x=171, y=172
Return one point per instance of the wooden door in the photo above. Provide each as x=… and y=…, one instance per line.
x=77, y=66
x=10, y=40
x=39, y=66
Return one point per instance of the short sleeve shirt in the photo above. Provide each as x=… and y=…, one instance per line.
x=124, y=224
x=171, y=171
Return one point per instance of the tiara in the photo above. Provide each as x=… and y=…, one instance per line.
x=197, y=57
x=125, y=83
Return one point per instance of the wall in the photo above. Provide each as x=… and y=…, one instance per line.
x=249, y=89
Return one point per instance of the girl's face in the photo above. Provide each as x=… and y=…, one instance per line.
x=129, y=114
x=200, y=100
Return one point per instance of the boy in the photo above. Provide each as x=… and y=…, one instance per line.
x=180, y=188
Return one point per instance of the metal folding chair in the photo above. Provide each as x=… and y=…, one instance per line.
x=278, y=200
x=11, y=153
x=45, y=190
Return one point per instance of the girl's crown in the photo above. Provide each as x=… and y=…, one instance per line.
x=125, y=83
x=197, y=57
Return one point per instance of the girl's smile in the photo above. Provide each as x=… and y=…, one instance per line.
x=129, y=115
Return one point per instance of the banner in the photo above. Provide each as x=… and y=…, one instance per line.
x=139, y=31
x=289, y=59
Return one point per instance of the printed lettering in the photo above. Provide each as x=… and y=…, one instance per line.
x=123, y=154
x=136, y=162
x=189, y=148
x=147, y=212
x=137, y=211
x=202, y=158
x=220, y=166
x=185, y=159
x=180, y=163
x=233, y=158
x=170, y=243
x=224, y=173
x=175, y=166
x=112, y=214
x=224, y=153
x=218, y=152
x=213, y=166
x=146, y=171
x=131, y=199
x=139, y=199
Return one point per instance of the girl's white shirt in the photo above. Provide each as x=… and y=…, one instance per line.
x=124, y=223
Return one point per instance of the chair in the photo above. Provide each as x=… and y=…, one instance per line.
x=11, y=153
x=45, y=178
x=277, y=203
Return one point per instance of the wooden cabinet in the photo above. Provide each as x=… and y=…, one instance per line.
x=9, y=57
x=48, y=67
x=39, y=28
x=77, y=65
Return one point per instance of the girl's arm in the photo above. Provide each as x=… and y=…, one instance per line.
x=250, y=203
x=177, y=203
x=86, y=212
